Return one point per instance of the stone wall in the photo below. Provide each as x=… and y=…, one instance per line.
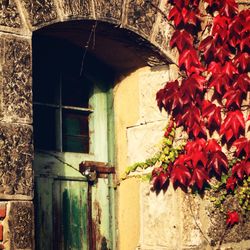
x=173, y=220
x=18, y=20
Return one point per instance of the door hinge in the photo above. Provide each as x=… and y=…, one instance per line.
x=93, y=170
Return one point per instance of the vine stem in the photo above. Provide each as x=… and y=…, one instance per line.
x=222, y=238
x=195, y=221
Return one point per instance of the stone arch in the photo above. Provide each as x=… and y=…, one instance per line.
x=142, y=22
x=144, y=18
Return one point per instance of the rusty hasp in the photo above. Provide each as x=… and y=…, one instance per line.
x=94, y=169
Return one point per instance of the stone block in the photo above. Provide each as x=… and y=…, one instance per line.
x=143, y=140
x=109, y=10
x=160, y=219
x=16, y=155
x=141, y=16
x=149, y=83
x=20, y=226
x=40, y=12
x=15, y=79
x=9, y=16
x=163, y=32
x=77, y=9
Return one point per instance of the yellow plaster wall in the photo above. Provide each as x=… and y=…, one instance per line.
x=126, y=109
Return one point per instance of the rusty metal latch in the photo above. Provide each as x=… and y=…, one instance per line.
x=93, y=170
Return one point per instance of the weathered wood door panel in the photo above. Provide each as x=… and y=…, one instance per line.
x=62, y=214
x=70, y=209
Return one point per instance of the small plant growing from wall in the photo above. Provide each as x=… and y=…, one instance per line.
x=209, y=102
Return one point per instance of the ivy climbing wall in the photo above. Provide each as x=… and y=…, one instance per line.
x=166, y=220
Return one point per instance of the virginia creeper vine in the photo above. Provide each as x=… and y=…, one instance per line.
x=209, y=101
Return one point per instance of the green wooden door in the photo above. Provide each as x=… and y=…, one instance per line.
x=70, y=214
x=72, y=123
x=62, y=219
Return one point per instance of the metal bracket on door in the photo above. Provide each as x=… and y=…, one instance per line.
x=93, y=170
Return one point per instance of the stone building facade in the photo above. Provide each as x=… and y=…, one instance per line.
x=140, y=31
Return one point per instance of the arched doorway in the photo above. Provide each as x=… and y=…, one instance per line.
x=74, y=68
x=72, y=124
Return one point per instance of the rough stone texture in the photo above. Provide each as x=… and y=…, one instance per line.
x=1, y=75
x=194, y=222
x=40, y=11
x=16, y=155
x=16, y=79
x=9, y=15
x=163, y=31
x=21, y=225
x=77, y=8
x=108, y=10
x=236, y=234
x=141, y=15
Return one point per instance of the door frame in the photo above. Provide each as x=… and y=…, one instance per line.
x=103, y=100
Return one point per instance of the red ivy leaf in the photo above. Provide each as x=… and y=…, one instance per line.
x=176, y=15
x=189, y=58
x=242, y=61
x=221, y=75
x=165, y=96
x=180, y=175
x=197, y=145
x=230, y=8
x=199, y=158
x=182, y=15
x=219, y=81
x=220, y=26
x=215, y=67
x=193, y=85
x=222, y=53
x=242, y=147
x=242, y=83
x=181, y=39
x=191, y=116
x=160, y=181
x=231, y=183
x=232, y=218
x=245, y=43
x=232, y=124
x=234, y=98
x=160, y=178
x=212, y=113
x=212, y=146
x=217, y=162
x=198, y=129
x=207, y=47
x=230, y=69
x=190, y=17
x=199, y=177
x=241, y=169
